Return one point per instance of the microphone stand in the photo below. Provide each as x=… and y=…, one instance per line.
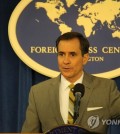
x=77, y=105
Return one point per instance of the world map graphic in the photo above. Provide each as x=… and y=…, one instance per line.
x=103, y=11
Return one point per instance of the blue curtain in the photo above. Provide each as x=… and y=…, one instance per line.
x=16, y=78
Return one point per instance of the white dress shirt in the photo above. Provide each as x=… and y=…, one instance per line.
x=64, y=96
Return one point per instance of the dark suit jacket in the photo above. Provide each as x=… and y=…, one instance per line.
x=100, y=102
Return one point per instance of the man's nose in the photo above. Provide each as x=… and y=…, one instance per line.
x=66, y=60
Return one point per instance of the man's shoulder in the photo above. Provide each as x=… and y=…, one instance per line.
x=99, y=80
x=102, y=79
x=46, y=83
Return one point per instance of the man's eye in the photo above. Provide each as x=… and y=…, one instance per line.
x=73, y=54
x=60, y=54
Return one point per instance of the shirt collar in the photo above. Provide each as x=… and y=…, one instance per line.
x=65, y=82
x=80, y=80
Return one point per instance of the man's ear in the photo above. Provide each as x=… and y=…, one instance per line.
x=85, y=58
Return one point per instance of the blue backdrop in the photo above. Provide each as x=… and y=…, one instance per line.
x=16, y=79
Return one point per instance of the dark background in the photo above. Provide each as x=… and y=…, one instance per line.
x=16, y=78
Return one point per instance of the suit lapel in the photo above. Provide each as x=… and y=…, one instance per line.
x=87, y=82
x=54, y=99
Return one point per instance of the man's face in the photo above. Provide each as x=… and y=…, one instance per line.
x=70, y=59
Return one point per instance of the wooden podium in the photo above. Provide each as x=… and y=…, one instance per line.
x=69, y=129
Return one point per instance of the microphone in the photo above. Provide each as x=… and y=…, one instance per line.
x=78, y=93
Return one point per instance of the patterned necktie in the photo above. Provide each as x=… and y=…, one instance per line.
x=71, y=105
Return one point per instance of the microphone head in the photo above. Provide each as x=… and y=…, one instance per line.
x=79, y=88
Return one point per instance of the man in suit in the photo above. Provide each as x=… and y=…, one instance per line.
x=48, y=100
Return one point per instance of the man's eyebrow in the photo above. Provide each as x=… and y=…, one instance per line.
x=72, y=52
x=61, y=52
x=65, y=52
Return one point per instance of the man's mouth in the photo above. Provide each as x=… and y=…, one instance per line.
x=66, y=68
